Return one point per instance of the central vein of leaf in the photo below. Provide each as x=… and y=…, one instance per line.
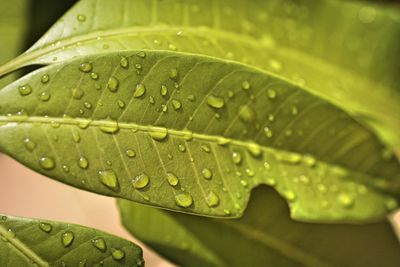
x=83, y=122
x=21, y=247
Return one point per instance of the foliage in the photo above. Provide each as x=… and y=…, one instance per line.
x=190, y=105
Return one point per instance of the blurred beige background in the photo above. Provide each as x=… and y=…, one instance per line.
x=29, y=194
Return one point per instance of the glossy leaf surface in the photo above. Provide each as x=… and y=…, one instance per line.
x=302, y=42
x=264, y=235
x=145, y=126
x=31, y=242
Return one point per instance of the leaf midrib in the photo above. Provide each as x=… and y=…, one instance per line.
x=186, y=134
x=21, y=247
x=299, y=255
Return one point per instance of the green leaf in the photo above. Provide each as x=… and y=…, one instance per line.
x=265, y=234
x=300, y=41
x=141, y=125
x=26, y=242
x=13, y=22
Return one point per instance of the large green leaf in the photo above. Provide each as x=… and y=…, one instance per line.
x=148, y=126
x=329, y=47
x=264, y=236
x=31, y=242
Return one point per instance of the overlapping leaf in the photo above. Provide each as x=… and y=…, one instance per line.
x=30, y=242
x=264, y=234
x=13, y=21
x=147, y=126
x=301, y=41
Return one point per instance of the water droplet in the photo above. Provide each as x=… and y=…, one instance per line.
x=140, y=90
x=188, y=135
x=77, y=93
x=215, y=101
x=29, y=144
x=254, y=149
x=85, y=67
x=67, y=238
x=100, y=244
x=25, y=90
x=124, y=63
x=81, y=17
x=247, y=114
x=271, y=117
x=176, y=104
x=65, y=168
x=288, y=157
x=45, y=227
x=117, y=254
x=172, y=47
x=181, y=148
x=345, y=200
x=94, y=75
x=83, y=163
x=121, y=104
x=113, y=84
x=268, y=132
x=82, y=263
x=243, y=183
x=140, y=181
x=172, y=179
x=174, y=74
x=10, y=234
x=184, y=200
x=270, y=181
x=164, y=108
x=304, y=179
x=87, y=105
x=75, y=136
x=309, y=160
x=138, y=67
x=205, y=148
x=109, y=126
x=275, y=65
x=212, y=199
x=130, y=153
x=159, y=133
x=191, y=98
x=46, y=163
x=246, y=85
x=109, y=179
x=271, y=94
x=207, y=173
x=236, y=157
x=163, y=90
x=250, y=172
x=44, y=96
x=227, y=212
x=45, y=78
x=289, y=195
x=141, y=54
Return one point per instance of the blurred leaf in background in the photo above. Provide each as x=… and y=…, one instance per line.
x=265, y=234
x=14, y=18
x=22, y=23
